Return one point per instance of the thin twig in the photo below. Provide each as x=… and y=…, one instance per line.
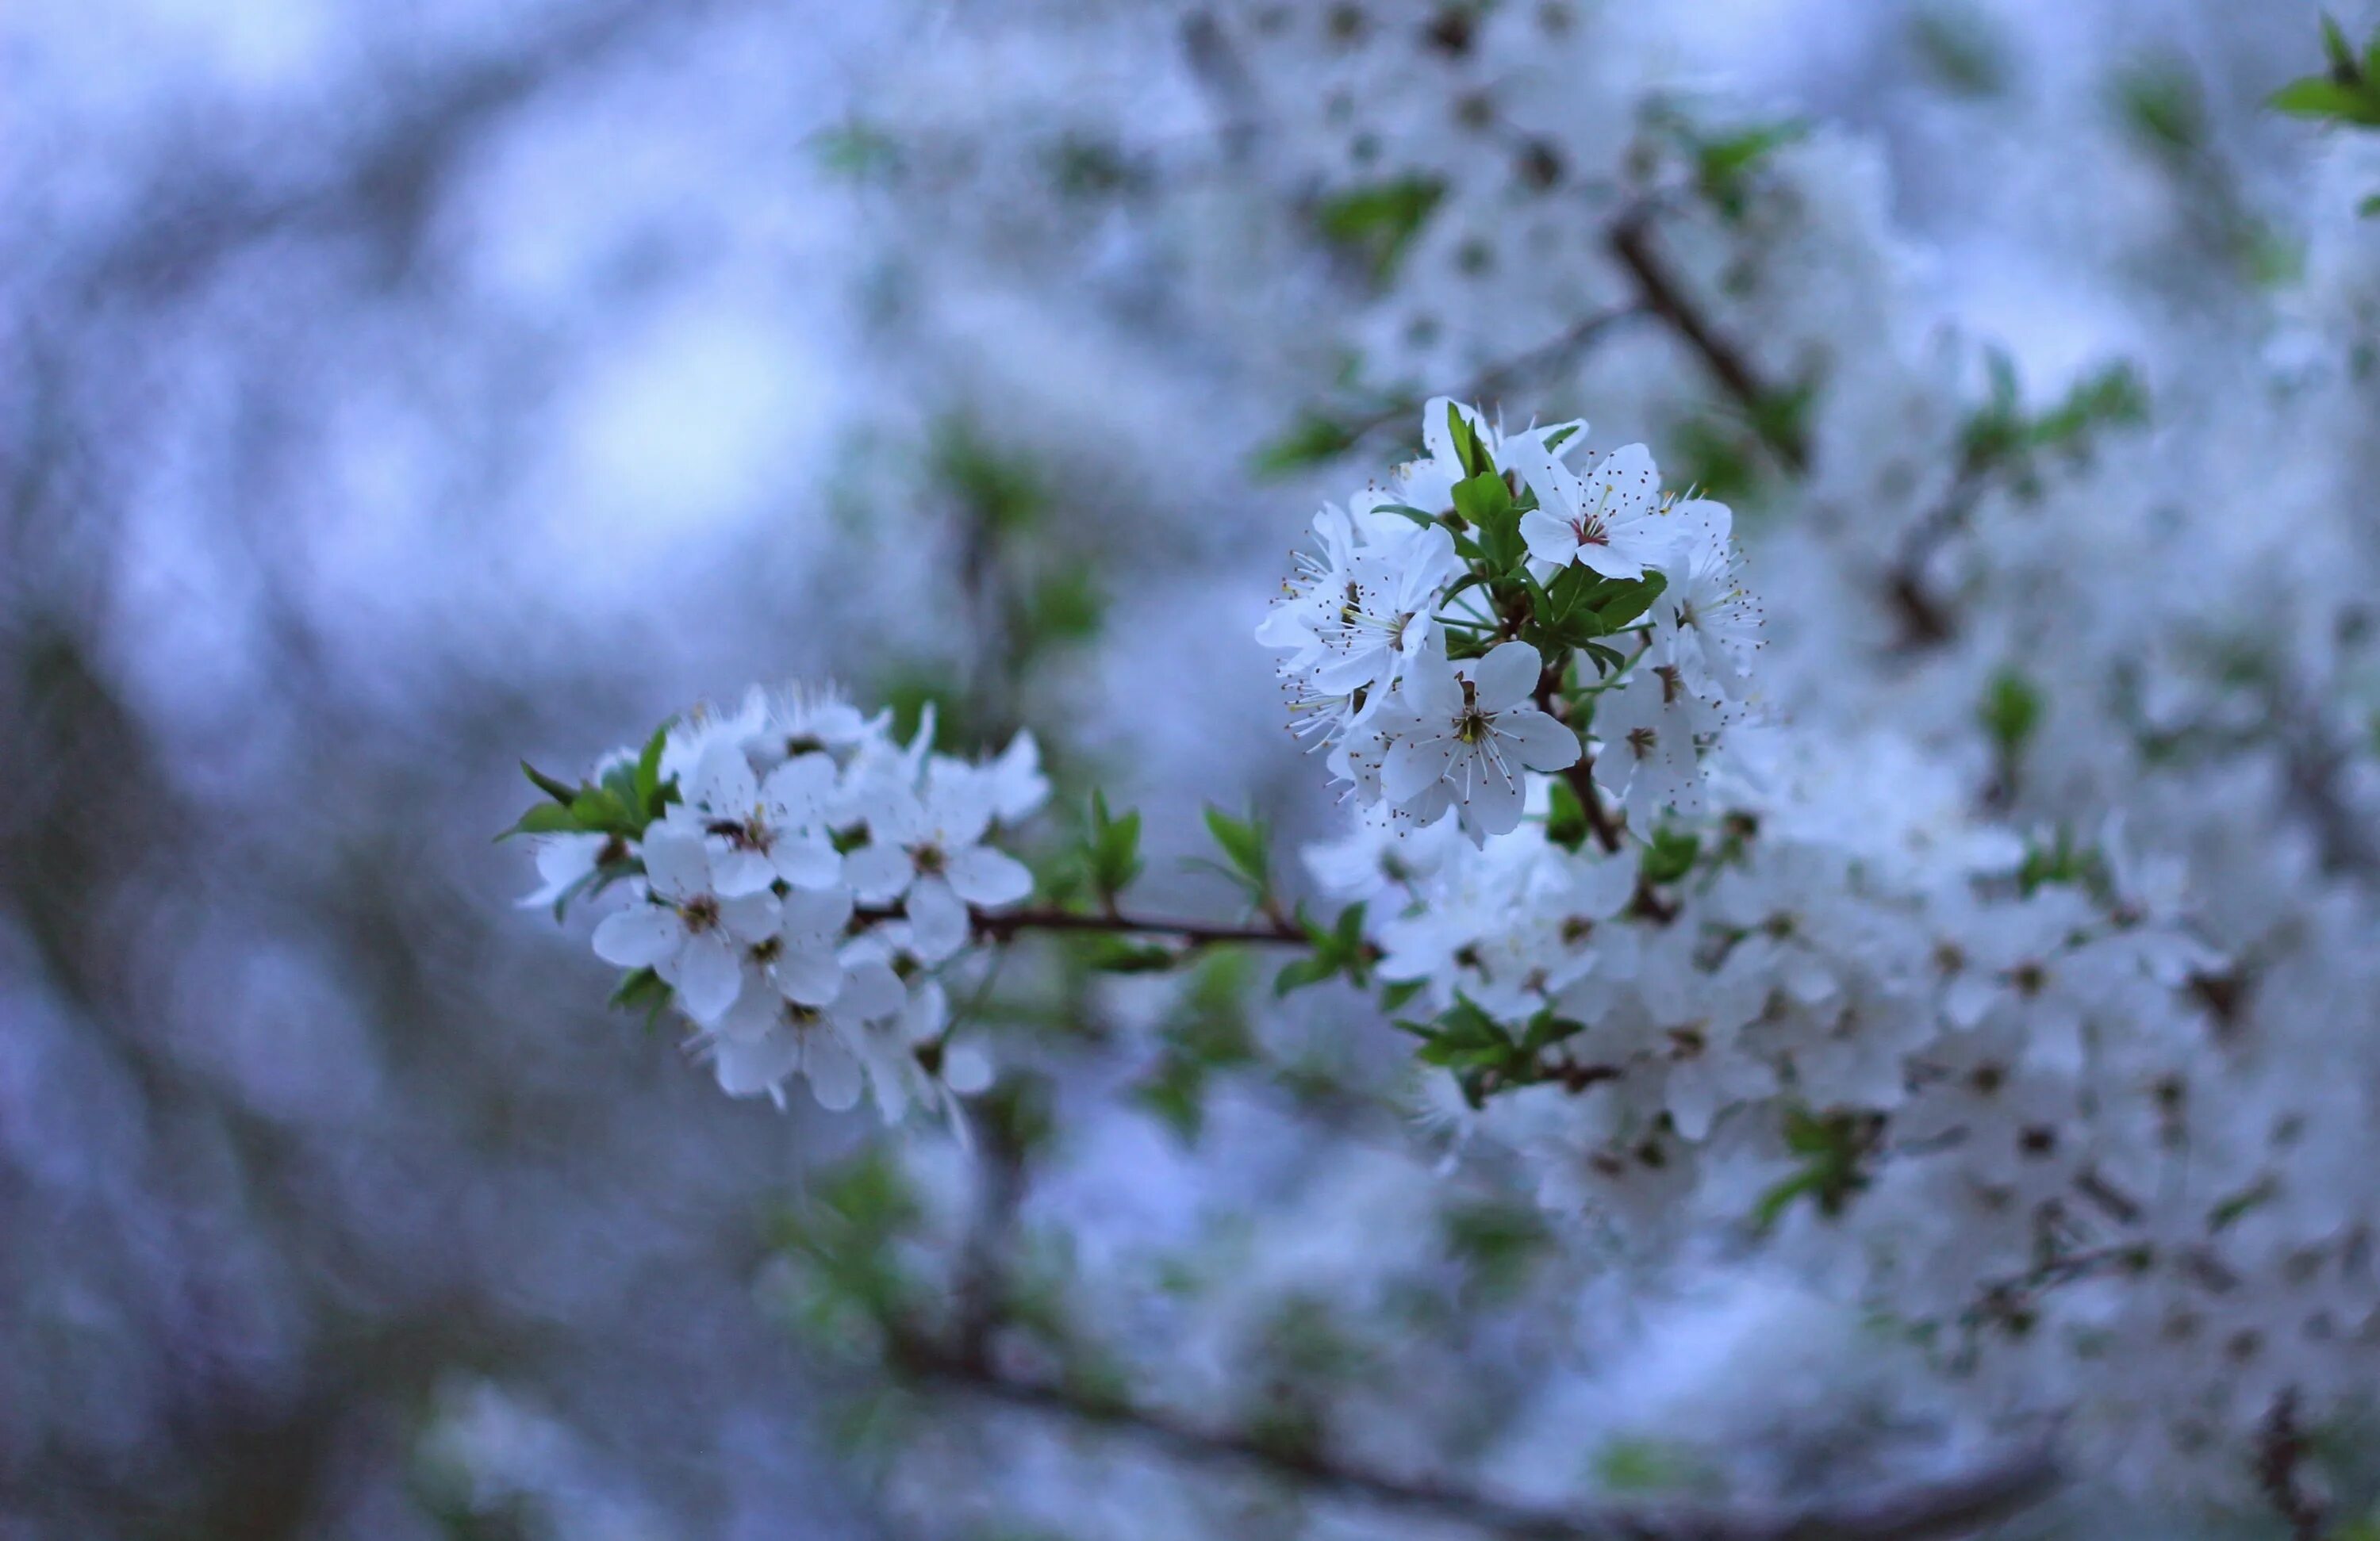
x=1493, y=381
x=1953, y=1507
x=1006, y=925
x=1630, y=241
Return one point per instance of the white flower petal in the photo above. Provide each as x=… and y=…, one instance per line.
x=709, y=975
x=639, y=936
x=966, y=1070
x=805, y=861
x=938, y=919
x=832, y=1068
x=1506, y=678
x=748, y=1067
x=807, y=913
x=1494, y=805
x=871, y=992
x=982, y=876
x=722, y=782
x=737, y=871
x=749, y=917
x=807, y=976
x=1550, y=539
x=675, y=863
x=878, y=874
x=1535, y=740
x=1413, y=765
x=798, y=790
x=1625, y=484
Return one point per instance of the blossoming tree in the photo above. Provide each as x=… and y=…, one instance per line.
x=1951, y=937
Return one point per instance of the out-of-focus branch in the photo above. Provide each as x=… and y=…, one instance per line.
x=2314, y=764
x=1006, y=925
x=1630, y=242
x=1926, y=622
x=198, y=213
x=1491, y=382
x=1917, y=1512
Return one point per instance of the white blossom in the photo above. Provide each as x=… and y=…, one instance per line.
x=1467, y=733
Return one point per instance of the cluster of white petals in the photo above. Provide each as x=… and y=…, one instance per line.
x=805, y=892
x=1390, y=661
x=1800, y=984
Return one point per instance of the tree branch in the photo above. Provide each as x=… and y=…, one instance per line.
x=1629, y=240
x=1918, y=1512
x=1491, y=382
x=1005, y=925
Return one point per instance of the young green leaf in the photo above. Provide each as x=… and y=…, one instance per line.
x=544, y=819
x=560, y=791
x=1243, y=844
x=642, y=991
x=1312, y=438
x=1378, y=221
x=1112, y=850
x=648, y=782
x=2321, y=97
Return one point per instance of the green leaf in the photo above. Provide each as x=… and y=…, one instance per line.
x=602, y=809
x=1960, y=48
x=1633, y=599
x=1394, y=998
x=1112, y=849
x=1834, y=1147
x=2321, y=97
x=1314, y=437
x=1724, y=163
x=544, y=819
x=1566, y=823
x=1466, y=1037
x=1548, y=1028
x=1378, y=221
x=1339, y=948
x=1501, y=1240
x=1176, y=1093
x=2163, y=103
x=1208, y=1032
x=2369, y=207
x=1113, y=954
x=1670, y=855
x=1004, y=490
x=642, y=991
x=561, y=792
x=1486, y=503
x=1243, y=844
x=1468, y=450
x=1065, y=606
x=2335, y=48
x=2011, y=712
x=648, y=783
x=1298, y=973
x=857, y=151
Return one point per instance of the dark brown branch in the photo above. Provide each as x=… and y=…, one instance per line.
x=2315, y=764
x=1918, y=1512
x=1491, y=382
x=1005, y=925
x=1630, y=242
x=2281, y=1451
x=1926, y=622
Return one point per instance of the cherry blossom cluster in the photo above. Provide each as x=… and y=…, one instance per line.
x=1433, y=646
x=1986, y=1081
x=797, y=884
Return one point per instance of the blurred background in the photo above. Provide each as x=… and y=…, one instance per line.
x=387, y=392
